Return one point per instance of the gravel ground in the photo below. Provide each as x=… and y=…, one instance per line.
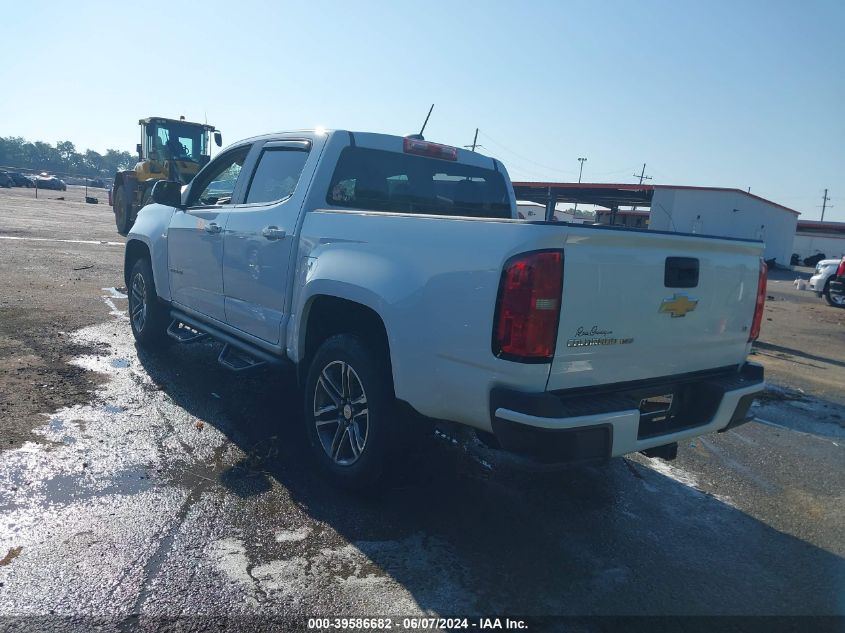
x=153, y=490
x=802, y=343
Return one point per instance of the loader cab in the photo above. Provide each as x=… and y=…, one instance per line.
x=172, y=147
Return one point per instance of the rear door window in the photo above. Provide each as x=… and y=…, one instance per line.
x=276, y=175
x=378, y=180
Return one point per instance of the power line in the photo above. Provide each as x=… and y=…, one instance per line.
x=531, y=173
x=518, y=155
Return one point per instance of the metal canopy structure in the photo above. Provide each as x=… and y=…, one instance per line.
x=610, y=196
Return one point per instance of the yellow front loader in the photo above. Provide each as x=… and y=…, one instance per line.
x=170, y=149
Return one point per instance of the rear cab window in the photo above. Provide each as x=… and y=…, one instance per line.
x=379, y=180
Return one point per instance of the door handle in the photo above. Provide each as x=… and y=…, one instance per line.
x=213, y=227
x=273, y=232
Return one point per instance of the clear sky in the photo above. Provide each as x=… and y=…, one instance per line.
x=742, y=93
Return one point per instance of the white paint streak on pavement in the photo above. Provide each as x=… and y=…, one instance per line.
x=55, y=239
x=108, y=299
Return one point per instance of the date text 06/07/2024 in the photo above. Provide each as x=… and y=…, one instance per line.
x=416, y=623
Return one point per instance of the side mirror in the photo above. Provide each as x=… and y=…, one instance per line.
x=218, y=139
x=140, y=153
x=168, y=193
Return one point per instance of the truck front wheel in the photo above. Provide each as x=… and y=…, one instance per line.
x=837, y=301
x=148, y=316
x=349, y=411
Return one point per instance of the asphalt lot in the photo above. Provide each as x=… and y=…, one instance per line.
x=162, y=486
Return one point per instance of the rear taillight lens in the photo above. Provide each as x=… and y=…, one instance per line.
x=528, y=307
x=761, y=302
x=840, y=272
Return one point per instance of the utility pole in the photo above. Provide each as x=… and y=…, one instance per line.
x=825, y=200
x=474, y=142
x=581, y=160
x=642, y=177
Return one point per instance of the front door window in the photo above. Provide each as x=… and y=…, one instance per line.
x=217, y=183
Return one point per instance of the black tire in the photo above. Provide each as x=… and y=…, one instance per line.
x=122, y=210
x=148, y=316
x=371, y=373
x=827, y=297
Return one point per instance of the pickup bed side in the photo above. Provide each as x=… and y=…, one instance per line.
x=437, y=302
x=435, y=295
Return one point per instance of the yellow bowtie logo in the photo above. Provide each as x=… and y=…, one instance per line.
x=678, y=305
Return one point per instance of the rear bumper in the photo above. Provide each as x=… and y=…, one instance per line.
x=593, y=425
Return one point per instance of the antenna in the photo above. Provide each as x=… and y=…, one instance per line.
x=422, y=129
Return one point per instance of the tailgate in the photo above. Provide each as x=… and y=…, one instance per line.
x=624, y=318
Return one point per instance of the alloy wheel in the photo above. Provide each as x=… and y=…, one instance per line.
x=138, y=302
x=340, y=413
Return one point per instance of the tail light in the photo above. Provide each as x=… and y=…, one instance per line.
x=761, y=302
x=840, y=271
x=528, y=307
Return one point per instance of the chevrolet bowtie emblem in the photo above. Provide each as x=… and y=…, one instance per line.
x=678, y=305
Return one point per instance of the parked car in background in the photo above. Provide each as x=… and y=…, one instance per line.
x=813, y=260
x=836, y=286
x=820, y=281
x=45, y=181
x=21, y=180
x=6, y=180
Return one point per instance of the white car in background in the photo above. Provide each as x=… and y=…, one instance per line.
x=820, y=281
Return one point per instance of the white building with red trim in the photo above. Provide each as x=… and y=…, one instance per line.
x=727, y=213
x=814, y=237
x=717, y=211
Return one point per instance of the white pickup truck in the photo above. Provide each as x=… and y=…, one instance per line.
x=394, y=275
x=825, y=273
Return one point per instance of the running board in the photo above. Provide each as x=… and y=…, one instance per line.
x=237, y=360
x=184, y=333
x=237, y=355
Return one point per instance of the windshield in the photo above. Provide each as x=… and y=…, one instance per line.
x=182, y=141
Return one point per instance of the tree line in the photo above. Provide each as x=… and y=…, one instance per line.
x=62, y=159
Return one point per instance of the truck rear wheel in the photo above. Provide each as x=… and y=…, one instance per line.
x=349, y=412
x=122, y=210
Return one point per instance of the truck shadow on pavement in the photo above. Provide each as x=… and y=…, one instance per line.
x=452, y=535
x=771, y=347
